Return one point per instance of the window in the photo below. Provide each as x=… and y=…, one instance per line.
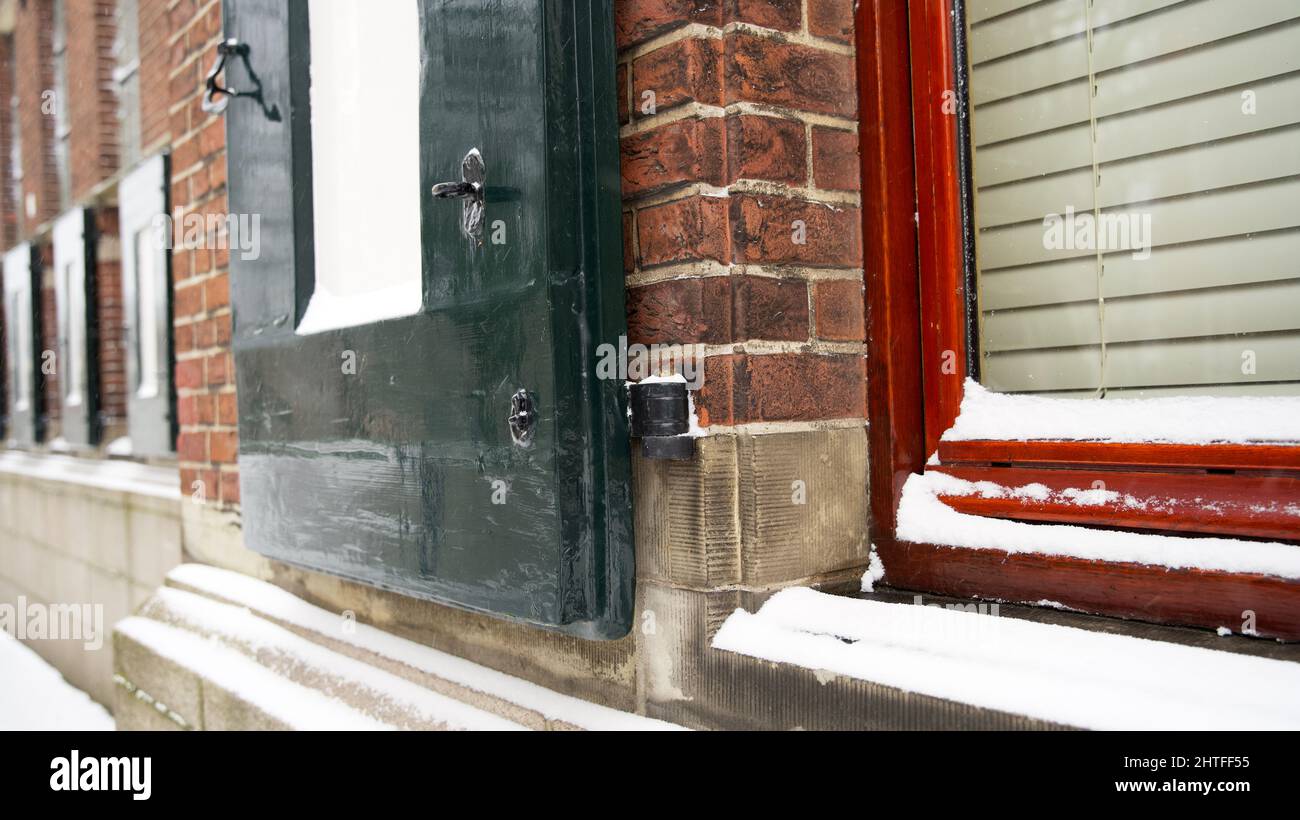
x=1136, y=178
x=1149, y=113
x=372, y=76
x=126, y=76
x=74, y=297
x=386, y=338
x=142, y=210
x=22, y=331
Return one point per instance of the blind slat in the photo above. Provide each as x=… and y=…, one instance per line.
x=1254, y=158
x=1198, y=120
x=1179, y=27
x=1076, y=368
x=1032, y=113
x=1255, y=308
x=1068, y=325
x=1255, y=56
x=1204, y=361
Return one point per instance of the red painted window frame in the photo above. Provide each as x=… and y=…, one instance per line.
x=915, y=307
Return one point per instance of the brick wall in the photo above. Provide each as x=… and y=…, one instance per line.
x=8, y=206
x=34, y=72
x=740, y=182
x=92, y=100
x=208, y=443
x=109, y=311
x=155, y=72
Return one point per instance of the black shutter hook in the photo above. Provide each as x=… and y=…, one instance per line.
x=216, y=97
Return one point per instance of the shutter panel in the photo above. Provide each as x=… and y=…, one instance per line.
x=22, y=344
x=74, y=287
x=1166, y=137
x=142, y=205
x=387, y=473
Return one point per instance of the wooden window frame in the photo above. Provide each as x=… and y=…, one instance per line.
x=917, y=259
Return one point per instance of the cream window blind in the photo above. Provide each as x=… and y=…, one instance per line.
x=1173, y=129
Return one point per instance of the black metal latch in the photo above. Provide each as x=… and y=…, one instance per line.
x=523, y=418
x=661, y=418
x=471, y=191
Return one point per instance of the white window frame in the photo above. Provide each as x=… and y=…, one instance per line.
x=21, y=327
x=74, y=295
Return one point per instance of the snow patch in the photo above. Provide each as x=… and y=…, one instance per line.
x=875, y=571
x=923, y=518
x=1174, y=420
x=1080, y=678
x=119, y=476
x=273, y=602
x=35, y=697
x=294, y=705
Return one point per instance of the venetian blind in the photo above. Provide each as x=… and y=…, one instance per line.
x=1173, y=128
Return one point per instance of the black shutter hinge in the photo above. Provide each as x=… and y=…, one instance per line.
x=661, y=419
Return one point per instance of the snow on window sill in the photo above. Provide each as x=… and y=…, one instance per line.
x=923, y=518
x=1057, y=673
x=986, y=415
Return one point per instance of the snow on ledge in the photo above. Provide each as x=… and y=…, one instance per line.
x=104, y=474
x=924, y=519
x=1073, y=676
x=1174, y=420
x=273, y=602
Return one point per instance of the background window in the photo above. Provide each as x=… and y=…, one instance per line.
x=1137, y=196
x=20, y=345
x=142, y=206
x=74, y=302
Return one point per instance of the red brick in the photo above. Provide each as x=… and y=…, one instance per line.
x=831, y=19
x=192, y=446
x=224, y=447
x=229, y=486
x=741, y=388
x=680, y=311
x=718, y=310
x=216, y=292
x=629, y=238
x=686, y=71
x=196, y=410
x=766, y=148
x=189, y=374
x=714, y=402
x=674, y=154
x=840, y=310
x=227, y=409
x=789, y=75
x=784, y=15
x=801, y=387
x=694, y=228
x=636, y=21
x=218, y=366
x=764, y=231
x=188, y=299
x=835, y=159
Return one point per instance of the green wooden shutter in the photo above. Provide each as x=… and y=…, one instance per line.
x=404, y=474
